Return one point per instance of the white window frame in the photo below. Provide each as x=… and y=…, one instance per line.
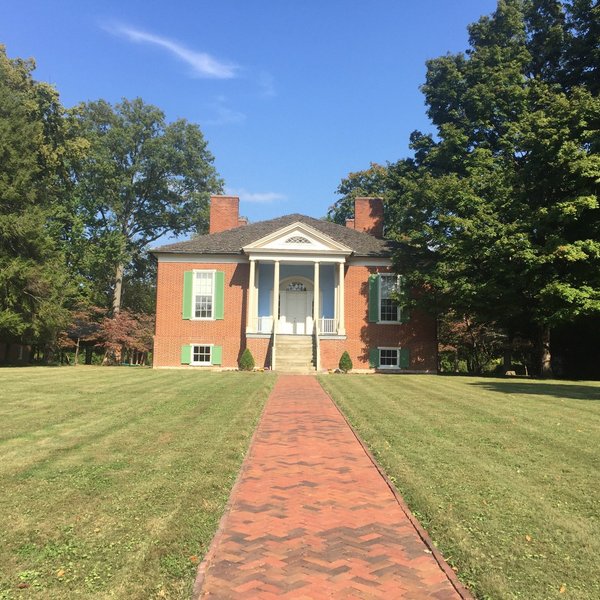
x=201, y=364
x=397, y=365
x=398, y=319
x=212, y=317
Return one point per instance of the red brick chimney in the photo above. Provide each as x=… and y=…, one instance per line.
x=224, y=213
x=368, y=216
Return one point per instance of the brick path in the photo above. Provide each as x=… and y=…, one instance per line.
x=311, y=516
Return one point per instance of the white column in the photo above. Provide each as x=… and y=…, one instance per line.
x=317, y=309
x=341, y=328
x=275, y=296
x=251, y=311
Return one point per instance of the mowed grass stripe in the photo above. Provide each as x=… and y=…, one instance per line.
x=127, y=499
x=93, y=417
x=505, y=481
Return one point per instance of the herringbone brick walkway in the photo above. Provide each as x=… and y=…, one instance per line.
x=311, y=516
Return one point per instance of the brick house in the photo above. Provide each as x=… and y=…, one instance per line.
x=333, y=284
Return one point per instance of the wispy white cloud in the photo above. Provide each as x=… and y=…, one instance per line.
x=202, y=64
x=255, y=197
x=223, y=114
x=266, y=84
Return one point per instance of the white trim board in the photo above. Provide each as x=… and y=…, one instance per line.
x=369, y=262
x=217, y=259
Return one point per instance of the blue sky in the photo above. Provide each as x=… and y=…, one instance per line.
x=292, y=95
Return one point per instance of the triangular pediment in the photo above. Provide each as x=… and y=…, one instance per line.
x=297, y=238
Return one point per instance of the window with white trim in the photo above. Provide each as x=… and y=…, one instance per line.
x=389, y=286
x=204, y=294
x=201, y=355
x=389, y=358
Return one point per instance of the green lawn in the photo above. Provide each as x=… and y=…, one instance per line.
x=504, y=474
x=113, y=480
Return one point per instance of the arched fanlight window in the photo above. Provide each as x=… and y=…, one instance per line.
x=297, y=239
x=296, y=286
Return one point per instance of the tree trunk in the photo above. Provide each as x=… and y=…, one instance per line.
x=76, y=361
x=545, y=355
x=116, y=304
x=507, y=359
x=108, y=358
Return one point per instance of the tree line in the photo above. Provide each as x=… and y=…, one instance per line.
x=84, y=191
x=496, y=213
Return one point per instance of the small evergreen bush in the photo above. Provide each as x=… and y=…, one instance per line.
x=345, y=362
x=246, y=361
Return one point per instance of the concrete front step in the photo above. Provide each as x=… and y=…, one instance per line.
x=300, y=364
x=294, y=354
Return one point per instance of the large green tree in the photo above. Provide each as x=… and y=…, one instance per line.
x=35, y=283
x=499, y=217
x=141, y=179
x=370, y=182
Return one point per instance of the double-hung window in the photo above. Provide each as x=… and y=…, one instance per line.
x=201, y=355
x=389, y=287
x=204, y=294
x=388, y=358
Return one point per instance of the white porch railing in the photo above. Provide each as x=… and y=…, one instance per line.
x=264, y=325
x=327, y=326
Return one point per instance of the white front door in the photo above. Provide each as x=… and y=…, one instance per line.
x=295, y=310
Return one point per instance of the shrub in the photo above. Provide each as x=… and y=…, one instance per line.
x=345, y=362
x=246, y=360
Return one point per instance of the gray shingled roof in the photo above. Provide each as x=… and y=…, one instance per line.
x=233, y=240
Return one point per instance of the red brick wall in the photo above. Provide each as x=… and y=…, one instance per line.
x=172, y=331
x=368, y=216
x=261, y=351
x=224, y=213
x=418, y=334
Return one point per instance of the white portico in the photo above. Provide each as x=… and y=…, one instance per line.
x=296, y=283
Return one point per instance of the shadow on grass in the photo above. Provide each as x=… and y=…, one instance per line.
x=556, y=389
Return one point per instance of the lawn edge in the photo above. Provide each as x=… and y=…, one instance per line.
x=204, y=564
x=460, y=588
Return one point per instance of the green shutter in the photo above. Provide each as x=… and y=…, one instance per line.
x=188, y=284
x=404, y=299
x=374, y=358
x=404, y=358
x=216, y=356
x=186, y=354
x=373, y=298
x=219, y=310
